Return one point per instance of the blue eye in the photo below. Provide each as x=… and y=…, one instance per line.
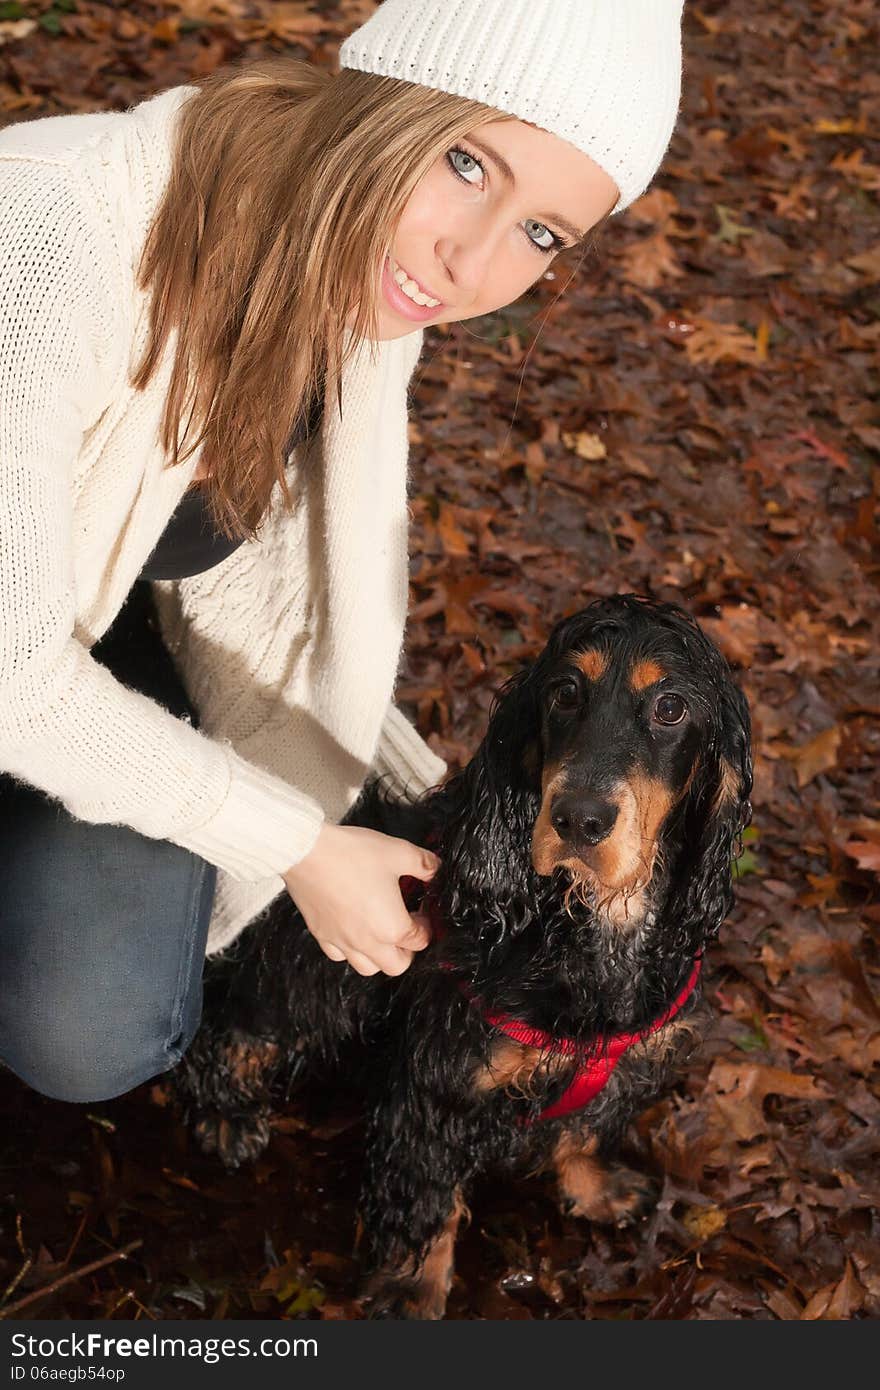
x=554, y=245
x=463, y=154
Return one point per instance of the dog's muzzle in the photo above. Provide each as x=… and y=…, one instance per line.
x=582, y=821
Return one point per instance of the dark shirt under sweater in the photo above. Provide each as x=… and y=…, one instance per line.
x=189, y=544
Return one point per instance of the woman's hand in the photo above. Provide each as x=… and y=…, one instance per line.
x=347, y=890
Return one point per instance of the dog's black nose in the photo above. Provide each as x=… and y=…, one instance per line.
x=582, y=820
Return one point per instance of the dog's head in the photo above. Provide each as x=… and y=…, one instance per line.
x=622, y=753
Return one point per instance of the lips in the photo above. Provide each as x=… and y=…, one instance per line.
x=423, y=289
x=402, y=305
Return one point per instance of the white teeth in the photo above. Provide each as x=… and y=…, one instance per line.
x=411, y=288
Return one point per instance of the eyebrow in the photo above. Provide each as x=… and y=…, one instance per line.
x=501, y=163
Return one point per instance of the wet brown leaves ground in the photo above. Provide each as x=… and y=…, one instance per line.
x=692, y=414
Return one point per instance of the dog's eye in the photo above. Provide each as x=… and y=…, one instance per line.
x=670, y=709
x=566, y=695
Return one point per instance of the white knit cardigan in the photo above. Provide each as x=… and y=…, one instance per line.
x=289, y=648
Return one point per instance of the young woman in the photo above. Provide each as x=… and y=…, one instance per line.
x=210, y=309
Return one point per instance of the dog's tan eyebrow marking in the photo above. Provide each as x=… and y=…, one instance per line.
x=593, y=664
x=645, y=673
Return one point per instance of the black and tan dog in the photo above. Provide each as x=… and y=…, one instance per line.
x=586, y=856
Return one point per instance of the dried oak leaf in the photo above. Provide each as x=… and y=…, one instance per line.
x=817, y=755
x=651, y=261
x=740, y=1089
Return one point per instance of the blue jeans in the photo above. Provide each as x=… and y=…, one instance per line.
x=102, y=930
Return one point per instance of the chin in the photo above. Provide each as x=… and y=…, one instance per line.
x=390, y=331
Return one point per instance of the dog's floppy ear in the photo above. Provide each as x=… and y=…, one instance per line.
x=731, y=803
x=495, y=800
x=716, y=814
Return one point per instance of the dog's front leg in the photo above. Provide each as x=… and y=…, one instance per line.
x=588, y=1187
x=421, y=1154
x=418, y=1287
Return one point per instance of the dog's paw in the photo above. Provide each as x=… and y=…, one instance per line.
x=620, y=1197
x=234, y=1139
x=397, y=1296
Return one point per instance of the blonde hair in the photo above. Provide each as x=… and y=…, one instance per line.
x=286, y=189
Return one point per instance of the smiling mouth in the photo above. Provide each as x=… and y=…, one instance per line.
x=411, y=288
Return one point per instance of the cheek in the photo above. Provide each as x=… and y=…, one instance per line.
x=514, y=275
x=427, y=212
x=514, y=269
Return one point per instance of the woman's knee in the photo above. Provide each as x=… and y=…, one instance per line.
x=101, y=958
x=60, y=1044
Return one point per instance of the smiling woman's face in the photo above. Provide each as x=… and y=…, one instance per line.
x=486, y=222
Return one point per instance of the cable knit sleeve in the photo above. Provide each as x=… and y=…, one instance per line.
x=67, y=726
x=403, y=755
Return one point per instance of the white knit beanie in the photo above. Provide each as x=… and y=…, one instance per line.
x=605, y=75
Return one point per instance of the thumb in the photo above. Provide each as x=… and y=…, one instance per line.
x=421, y=863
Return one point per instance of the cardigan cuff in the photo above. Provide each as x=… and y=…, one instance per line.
x=403, y=752
x=264, y=826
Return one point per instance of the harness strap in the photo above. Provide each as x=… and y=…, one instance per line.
x=595, y=1073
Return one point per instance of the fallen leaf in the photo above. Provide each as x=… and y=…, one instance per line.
x=720, y=342
x=836, y=1301
x=650, y=262
x=740, y=1089
x=818, y=755
x=866, y=853
x=586, y=446
x=868, y=262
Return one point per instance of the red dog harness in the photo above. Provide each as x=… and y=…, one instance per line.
x=594, y=1075
x=596, y=1071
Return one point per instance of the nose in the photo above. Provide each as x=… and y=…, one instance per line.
x=466, y=271
x=582, y=820
x=468, y=258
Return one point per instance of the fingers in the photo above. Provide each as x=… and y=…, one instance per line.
x=392, y=957
x=419, y=934
x=362, y=964
x=356, y=959
x=389, y=961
